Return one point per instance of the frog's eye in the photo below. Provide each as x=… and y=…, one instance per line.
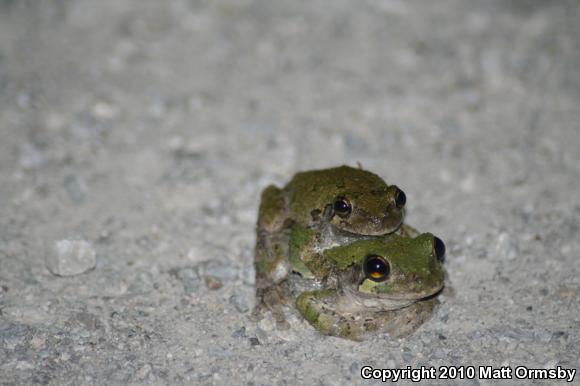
x=400, y=198
x=439, y=248
x=376, y=268
x=342, y=207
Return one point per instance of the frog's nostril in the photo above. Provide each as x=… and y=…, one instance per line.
x=439, y=249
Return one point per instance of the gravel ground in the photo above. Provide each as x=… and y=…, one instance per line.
x=139, y=134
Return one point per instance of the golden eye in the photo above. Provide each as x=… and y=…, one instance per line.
x=438, y=248
x=376, y=268
x=342, y=207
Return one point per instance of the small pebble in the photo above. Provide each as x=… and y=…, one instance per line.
x=239, y=303
x=213, y=283
x=267, y=323
x=105, y=110
x=75, y=188
x=71, y=257
x=239, y=333
x=506, y=246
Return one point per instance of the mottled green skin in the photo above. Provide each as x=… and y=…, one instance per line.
x=415, y=270
x=302, y=243
x=373, y=202
x=312, y=259
x=347, y=304
x=308, y=194
x=355, y=305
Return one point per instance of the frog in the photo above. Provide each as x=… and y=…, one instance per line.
x=373, y=285
x=391, y=292
x=320, y=209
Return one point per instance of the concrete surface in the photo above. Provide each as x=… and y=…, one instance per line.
x=149, y=128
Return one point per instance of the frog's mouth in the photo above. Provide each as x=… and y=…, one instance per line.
x=382, y=228
x=344, y=233
x=354, y=300
x=341, y=233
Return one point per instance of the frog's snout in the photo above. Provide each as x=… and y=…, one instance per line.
x=390, y=222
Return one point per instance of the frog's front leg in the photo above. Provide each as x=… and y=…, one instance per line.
x=305, y=251
x=318, y=308
x=406, y=230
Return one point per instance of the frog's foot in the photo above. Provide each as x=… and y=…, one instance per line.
x=317, y=307
x=272, y=299
x=406, y=230
x=301, y=251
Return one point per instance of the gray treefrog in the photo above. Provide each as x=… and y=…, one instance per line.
x=374, y=285
x=379, y=284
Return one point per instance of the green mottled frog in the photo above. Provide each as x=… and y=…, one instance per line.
x=360, y=202
x=373, y=285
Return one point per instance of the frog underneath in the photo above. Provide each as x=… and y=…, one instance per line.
x=373, y=286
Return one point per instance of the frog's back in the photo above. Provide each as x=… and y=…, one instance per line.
x=341, y=176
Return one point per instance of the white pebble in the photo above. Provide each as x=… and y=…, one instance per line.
x=71, y=257
x=506, y=246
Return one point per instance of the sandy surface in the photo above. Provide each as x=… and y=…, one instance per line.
x=149, y=128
